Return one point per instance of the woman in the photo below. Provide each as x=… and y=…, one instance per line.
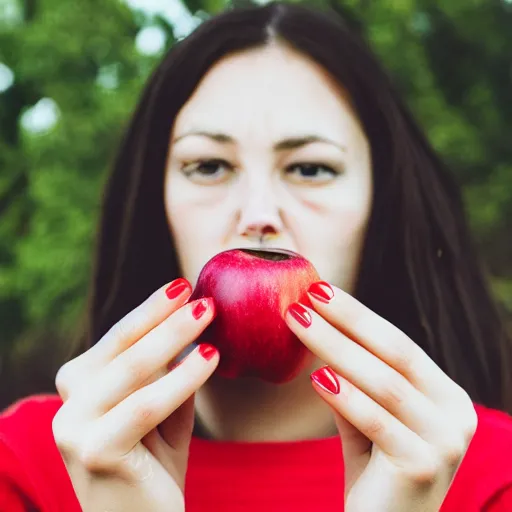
x=275, y=127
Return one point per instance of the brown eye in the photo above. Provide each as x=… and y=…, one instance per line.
x=311, y=173
x=207, y=171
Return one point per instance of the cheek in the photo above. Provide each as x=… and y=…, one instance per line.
x=342, y=211
x=352, y=207
x=194, y=228
x=342, y=230
x=183, y=212
x=333, y=231
x=190, y=230
x=183, y=194
x=334, y=244
x=188, y=206
x=351, y=218
x=197, y=219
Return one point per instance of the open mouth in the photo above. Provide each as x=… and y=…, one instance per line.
x=270, y=254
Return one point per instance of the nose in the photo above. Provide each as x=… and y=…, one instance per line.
x=259, y=216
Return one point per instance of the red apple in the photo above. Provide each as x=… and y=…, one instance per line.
x=252, y=290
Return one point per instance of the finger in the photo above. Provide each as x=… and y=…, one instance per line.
x=145, y=317
x=176, y=430
x=131, y=370
x=382, y=339
x=122, y=335
x=380, y=382
x=397, y=441
x=120, y=429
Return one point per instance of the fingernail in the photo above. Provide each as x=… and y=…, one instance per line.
x=322, y=291
x=176, y=288
x=300, y=313
x=207, y=350
x=327, y=380
x=199, y=308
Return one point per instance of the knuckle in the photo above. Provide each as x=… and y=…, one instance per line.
x=424, y=476
x=129, y=326
x=405, y=356
x=142, y=415
x=361, y=322
x=178, y=326
x=92, y=460
x=135, y=368
x=92, y=455
x=65, y=375
x=464, y=408
x=471, y=426
x=375, y=427
x=427, y=472
x=452, y=454
x=58, y=425
x=73, y=374
x=393, y=391
x=122, y=329
x=460, y=395
x=62, y=434
x=455, y=448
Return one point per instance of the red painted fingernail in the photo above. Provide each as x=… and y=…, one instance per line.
x=300, y=313
x=207, y=350
x=177, y=287
x=327, y=380
x=322, y=291
x=200, y=308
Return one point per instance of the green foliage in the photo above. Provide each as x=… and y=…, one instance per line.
x=451, y=60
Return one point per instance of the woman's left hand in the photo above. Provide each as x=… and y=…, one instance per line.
x=419, y=421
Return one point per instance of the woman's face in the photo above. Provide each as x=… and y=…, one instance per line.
x=268, y=144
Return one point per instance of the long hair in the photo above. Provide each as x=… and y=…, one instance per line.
x=419, y=266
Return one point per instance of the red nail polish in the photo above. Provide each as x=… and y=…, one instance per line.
x=207, y=350
x=300, y=313
x=176, y=288
x=327, y=380
x=322, y=291
x=199, y=308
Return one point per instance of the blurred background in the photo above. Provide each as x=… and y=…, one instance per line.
x=70, y=75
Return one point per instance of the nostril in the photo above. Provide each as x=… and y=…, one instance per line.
x=259, y=230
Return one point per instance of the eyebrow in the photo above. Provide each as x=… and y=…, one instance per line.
x=282, y=145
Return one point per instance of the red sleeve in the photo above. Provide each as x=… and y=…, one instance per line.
x=15, y=489
x=33, y=477
x=501, y=501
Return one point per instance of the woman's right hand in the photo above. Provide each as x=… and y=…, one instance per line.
x=125, y=427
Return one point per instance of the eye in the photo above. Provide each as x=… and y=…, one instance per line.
x=311, y=173
x=207, y=171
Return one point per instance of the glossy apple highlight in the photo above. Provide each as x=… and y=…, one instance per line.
x=252, y=290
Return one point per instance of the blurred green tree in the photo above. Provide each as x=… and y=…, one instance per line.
x=76, y=74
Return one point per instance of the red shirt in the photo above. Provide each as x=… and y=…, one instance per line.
x=296, y=476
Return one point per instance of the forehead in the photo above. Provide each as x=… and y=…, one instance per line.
x=267, y=91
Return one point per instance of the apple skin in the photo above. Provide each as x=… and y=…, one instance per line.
x=251, y=294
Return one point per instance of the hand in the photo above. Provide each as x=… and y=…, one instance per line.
x=419, y=422
x=125, y=427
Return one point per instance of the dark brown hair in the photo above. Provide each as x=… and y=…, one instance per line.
x=419, y=267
